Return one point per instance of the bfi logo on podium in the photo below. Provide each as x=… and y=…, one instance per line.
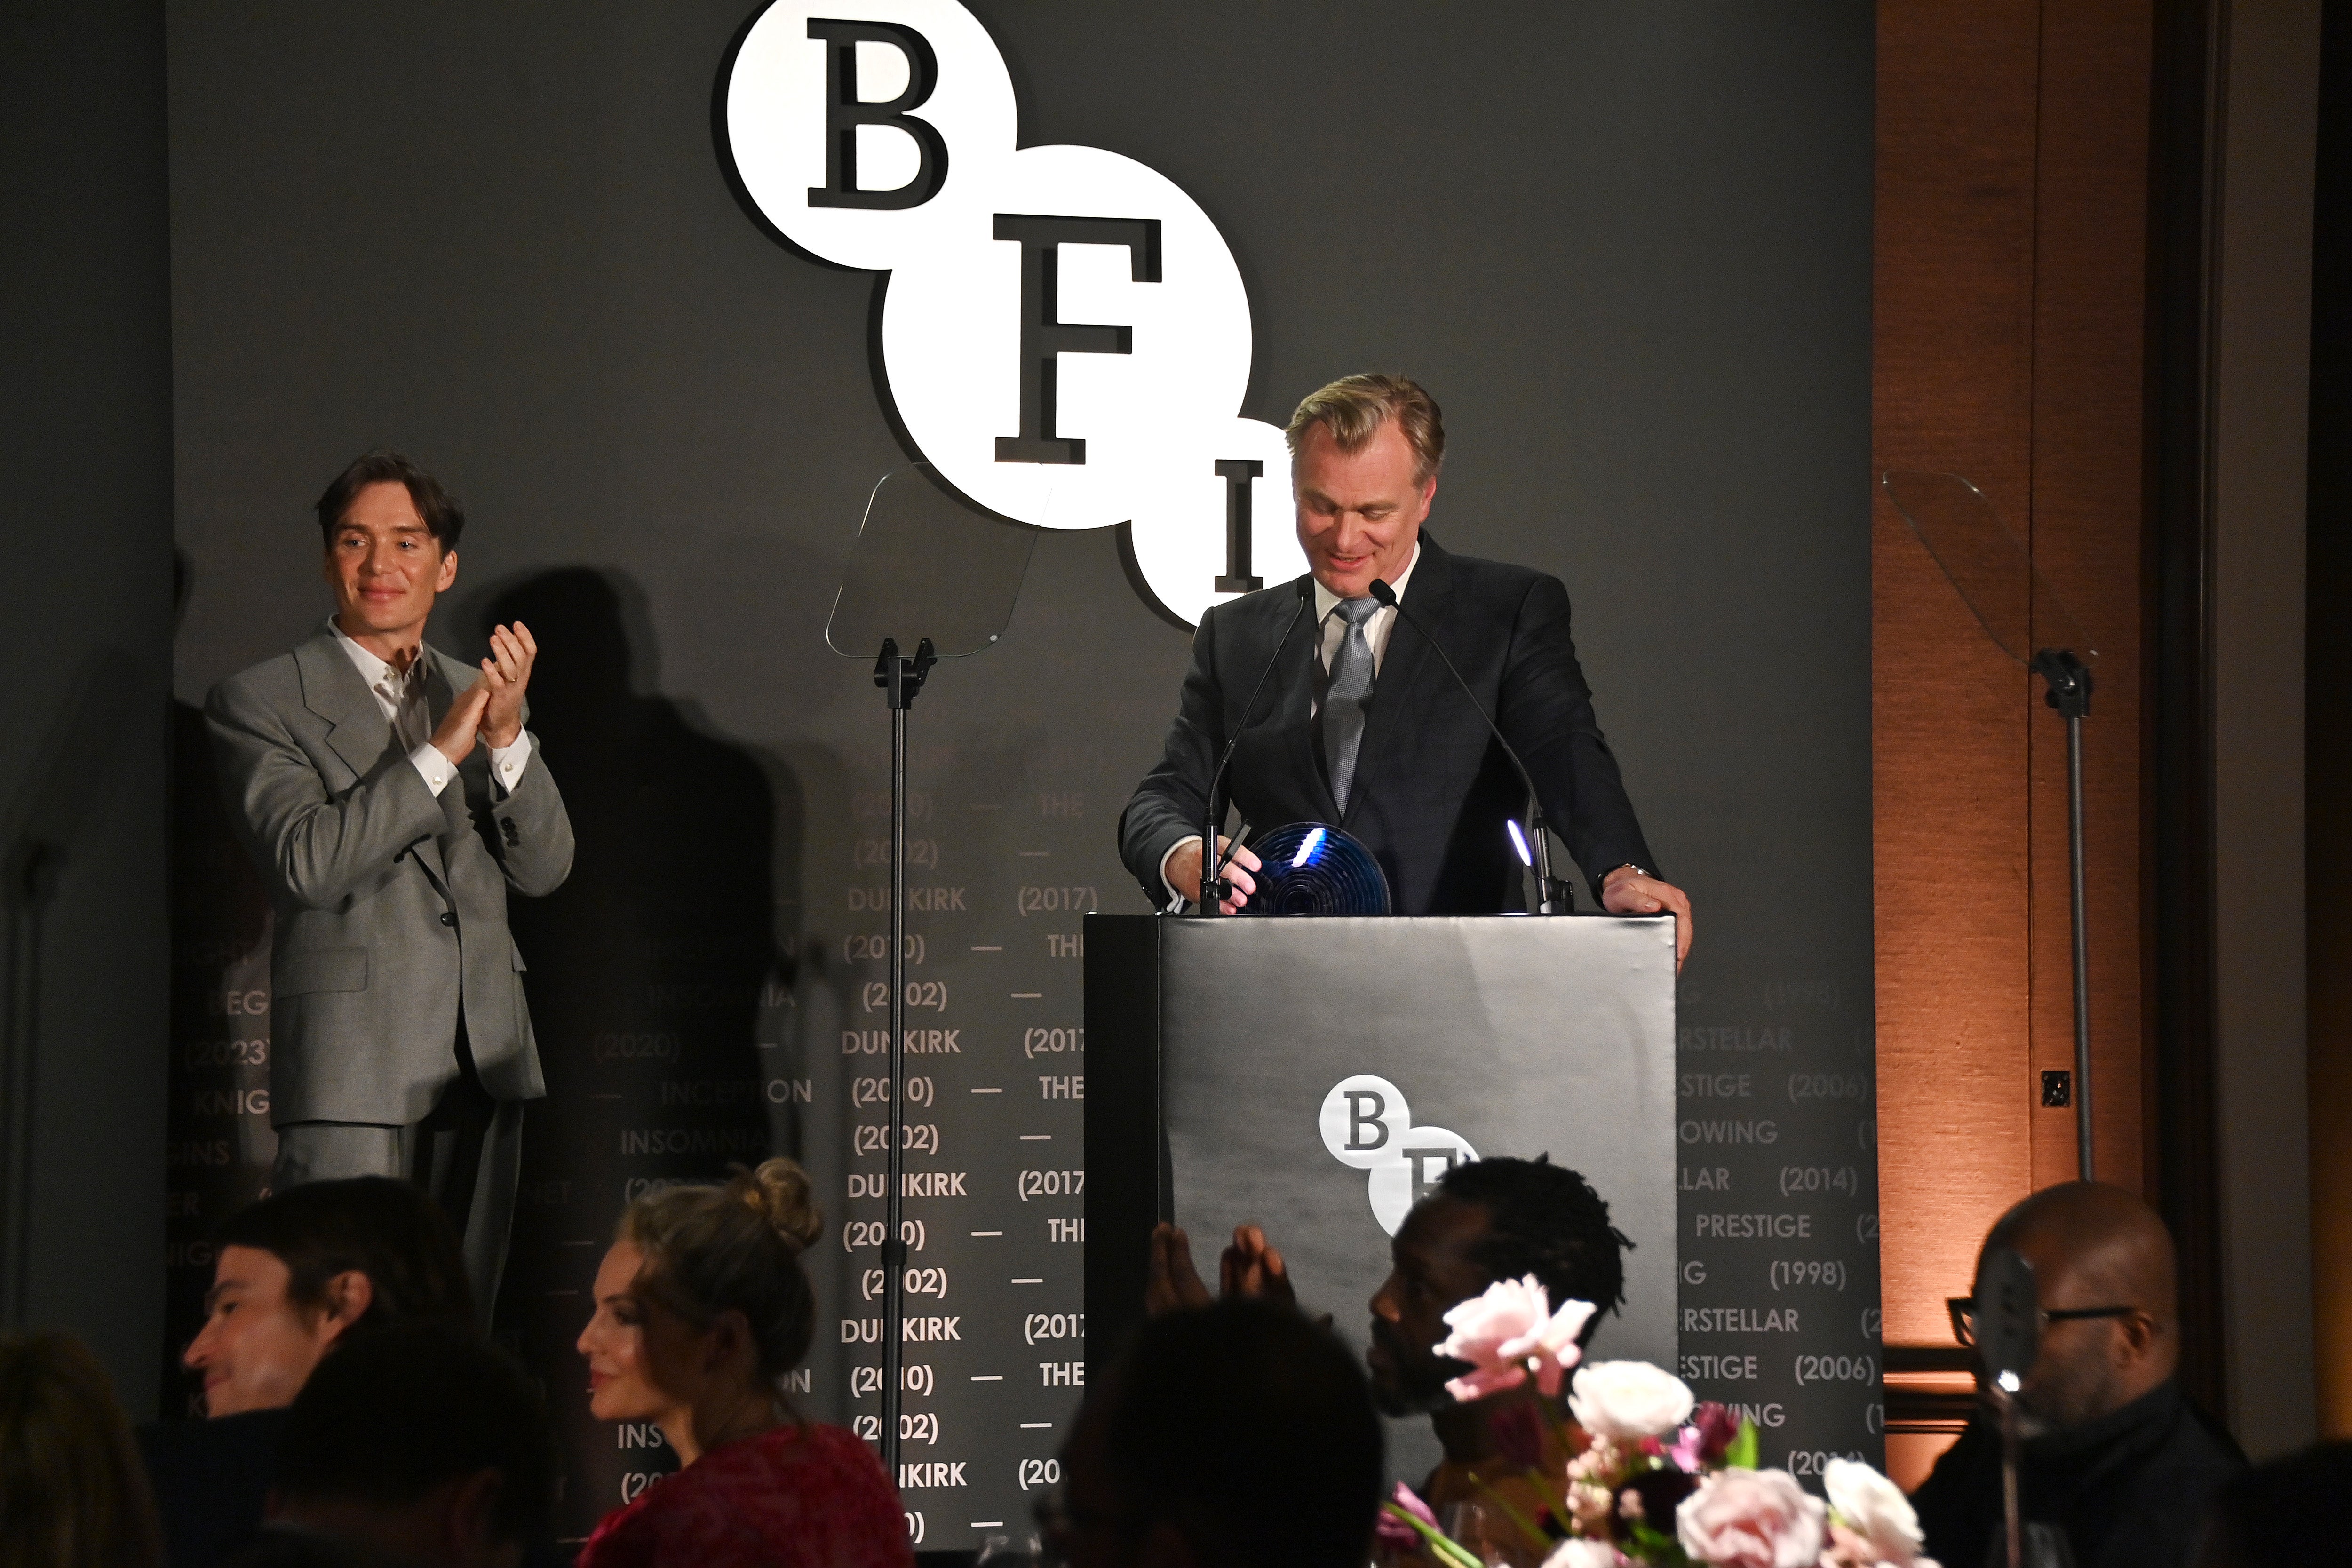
x=1368, y=1125
x=1065, y=333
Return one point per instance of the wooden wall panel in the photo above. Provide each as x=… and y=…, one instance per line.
x=1951, y=390
x=2010, y=327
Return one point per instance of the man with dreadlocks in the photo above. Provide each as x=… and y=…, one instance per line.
x=1487, y=1220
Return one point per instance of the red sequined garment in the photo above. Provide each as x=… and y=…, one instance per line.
x=792, y=1497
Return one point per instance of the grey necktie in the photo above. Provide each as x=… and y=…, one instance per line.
x=1344, y=697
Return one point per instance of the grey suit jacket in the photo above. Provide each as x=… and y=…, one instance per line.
x=390, y=904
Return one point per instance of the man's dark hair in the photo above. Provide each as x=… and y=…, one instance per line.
x=398, y=1412
x=444, y=518
x=1252, y=1431
x=387, y=1229
x=1546, y=1220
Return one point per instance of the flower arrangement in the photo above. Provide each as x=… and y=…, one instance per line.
x=1654, y=1478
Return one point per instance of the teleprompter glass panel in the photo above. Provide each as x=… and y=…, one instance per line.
x=1991, y=571
x=927, y=563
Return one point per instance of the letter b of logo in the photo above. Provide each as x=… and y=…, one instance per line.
x=1363, y=1118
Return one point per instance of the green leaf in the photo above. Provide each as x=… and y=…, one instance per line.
x=1653, y=1546
x=1448, y=1551
x=1743, y=1452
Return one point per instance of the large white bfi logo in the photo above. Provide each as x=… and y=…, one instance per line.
x=1063, y=333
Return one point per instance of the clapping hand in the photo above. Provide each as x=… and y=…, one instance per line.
x=1251, y=1267
x=504, y=675
x=1174, y=1285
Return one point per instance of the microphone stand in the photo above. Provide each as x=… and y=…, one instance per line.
x=900, y=679
x=2069, y=680
x=2012, y=1525
x=1549, y=901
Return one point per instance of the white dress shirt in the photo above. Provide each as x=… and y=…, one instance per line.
x=401, y=697
x=1335, y=630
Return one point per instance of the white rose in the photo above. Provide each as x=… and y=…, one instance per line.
x=1578, y=1552
x=1628, y=1399
x=1875, y=1509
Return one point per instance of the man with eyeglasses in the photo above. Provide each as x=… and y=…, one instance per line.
x=2116, y=1460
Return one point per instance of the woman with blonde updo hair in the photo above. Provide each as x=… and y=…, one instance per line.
x=701, y=1309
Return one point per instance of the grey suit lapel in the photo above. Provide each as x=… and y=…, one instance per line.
x=360, y=733
x=332, y=688
x=1386, y=715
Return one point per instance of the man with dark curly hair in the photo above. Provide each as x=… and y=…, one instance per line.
x=1487, y=1220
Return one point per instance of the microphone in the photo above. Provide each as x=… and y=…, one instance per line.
x=1213, y=866
x=1388, y=601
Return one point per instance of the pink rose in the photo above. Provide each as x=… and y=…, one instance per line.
x=1509, y=1331
x=1752, y=1518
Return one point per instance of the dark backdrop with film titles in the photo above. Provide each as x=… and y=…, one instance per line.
x=1627, y=250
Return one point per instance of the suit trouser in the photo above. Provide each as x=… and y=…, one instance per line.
x=466, y=1154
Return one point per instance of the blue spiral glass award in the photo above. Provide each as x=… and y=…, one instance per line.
x=1309, y=869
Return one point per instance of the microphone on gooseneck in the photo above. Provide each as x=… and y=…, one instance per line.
x=1389, y=600
x=1213, y=866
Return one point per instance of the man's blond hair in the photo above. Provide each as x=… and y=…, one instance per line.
x=1354, y=408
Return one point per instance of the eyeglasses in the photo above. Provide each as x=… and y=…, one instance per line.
x=1963, y=1310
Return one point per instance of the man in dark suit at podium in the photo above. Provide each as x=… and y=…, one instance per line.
x=1361, y=726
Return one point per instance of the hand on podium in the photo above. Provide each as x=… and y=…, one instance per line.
x=1250, y=1267
x=1629, y=890
x=1184, y=873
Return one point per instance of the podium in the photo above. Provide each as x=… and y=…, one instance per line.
x=1316, y=1075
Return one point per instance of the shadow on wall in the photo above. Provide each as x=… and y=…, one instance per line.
x=219, y=1144
x=649, y=971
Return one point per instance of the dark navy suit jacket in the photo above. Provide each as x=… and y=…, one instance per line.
x=1432, y=789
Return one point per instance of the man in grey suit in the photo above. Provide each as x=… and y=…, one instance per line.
x=390, y=795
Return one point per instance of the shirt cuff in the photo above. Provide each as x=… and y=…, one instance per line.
x=1175, y=898
x=434, y=768
x=506, y=763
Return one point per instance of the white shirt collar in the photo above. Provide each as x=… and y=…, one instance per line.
x=374, y=671
x=1325, y=599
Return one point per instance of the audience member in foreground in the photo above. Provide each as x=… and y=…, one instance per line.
x=2288, y=1513
x=1488, y=1220
x=416, y=1445
x=1236, y=1433
x=71, y=1491
x=701, y=1309
x=295, y=1276
x=2114, y=1456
